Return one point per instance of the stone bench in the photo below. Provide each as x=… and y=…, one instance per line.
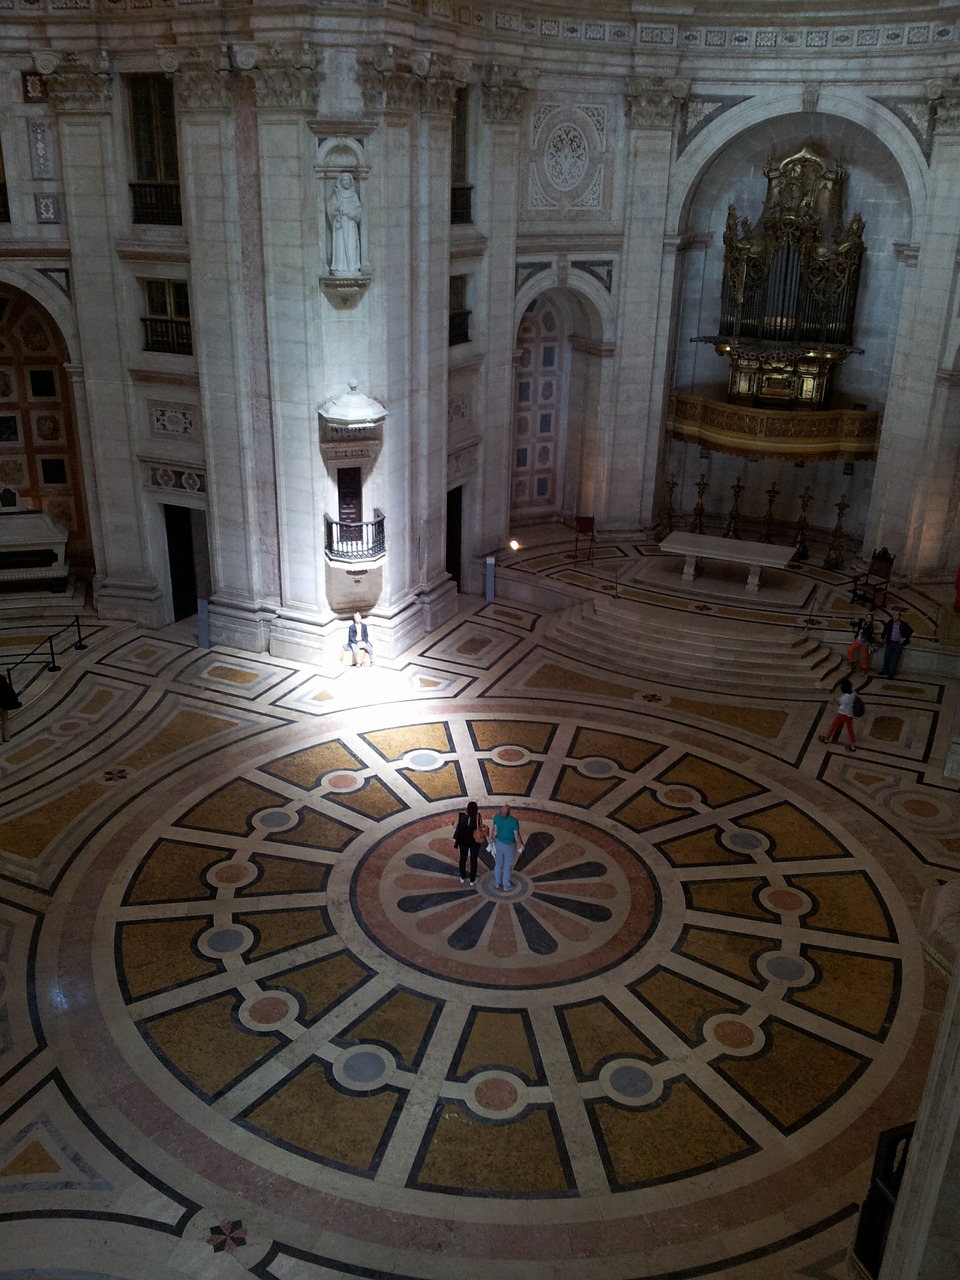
x=701, y=546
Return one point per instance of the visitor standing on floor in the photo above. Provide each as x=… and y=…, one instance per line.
x=894, y=637
x=8, y=702
x=864, y=638
x=845, y=712
x=469, y=835
x=507, y=843
x=358, y=640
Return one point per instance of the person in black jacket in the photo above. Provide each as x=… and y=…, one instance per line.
x=358, y=640
x=894, y=637
x=469, y=835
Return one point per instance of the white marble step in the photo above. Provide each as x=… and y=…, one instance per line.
x=700, y=650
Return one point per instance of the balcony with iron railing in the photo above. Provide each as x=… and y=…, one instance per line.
x=156, y=203
x=355, y=541
x=162, y=333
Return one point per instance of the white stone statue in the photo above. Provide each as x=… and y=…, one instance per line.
x=344, y=211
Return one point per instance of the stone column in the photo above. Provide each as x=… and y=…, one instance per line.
x=504, y=97
x=81, y=92
x=924, y=1236
x=911, y=510
x=219, y=180
x=641, y=367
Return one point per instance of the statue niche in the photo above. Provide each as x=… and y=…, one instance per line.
x=790, y=288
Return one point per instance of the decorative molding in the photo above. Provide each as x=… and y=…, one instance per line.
x=162, y=254
x=41, y=148
x=79, y=85
x=654, y=103
x=178, y=421
x=803, y=434
x=462, y=464
x=918, y=116
x=811, y=97
x=525, y=272
x=504, y=94
x=203, y=84
x=947, y=115
x=286, y=79
x=467, y=242
x=186, y=478
x=59, y=277
x=593, y=347
x=156, y=377
x=949, y=378
x=35, y=249
x=699, y=110
x=46, y=207
x=601, y=269
x=906, y=253
x=356, y=129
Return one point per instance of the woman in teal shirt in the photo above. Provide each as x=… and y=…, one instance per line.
x=507, y=843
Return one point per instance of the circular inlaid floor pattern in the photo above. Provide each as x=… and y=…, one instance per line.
x=695, y=971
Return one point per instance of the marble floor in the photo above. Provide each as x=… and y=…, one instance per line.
x=252, y=1023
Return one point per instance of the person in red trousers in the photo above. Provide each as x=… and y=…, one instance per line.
x=843, y=717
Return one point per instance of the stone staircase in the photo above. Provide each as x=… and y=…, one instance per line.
x=693, y=650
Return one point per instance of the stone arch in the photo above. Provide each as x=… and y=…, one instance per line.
x=555, y=400
x=886, y=183
x=40, y=446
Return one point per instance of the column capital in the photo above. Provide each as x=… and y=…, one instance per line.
x=653, y=103
x=80, y=82
x=504, y=93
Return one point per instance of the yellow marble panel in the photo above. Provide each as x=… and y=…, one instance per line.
x=236, y=675
x=401, y=1023
x=629, y=753
x=97, y=702
x=285, y=875
x=729, y=898
x=439, y=784
x=700, y=849
x=394, y=743
x=324, y=983
x=373, y=800
x=30, y=750
x=573, y=788
x=761, y=722
x=184, y=729
x=550, y=675
x=795, y=1076
x=28, y=834
x=310, y=1114
x=678, y=1136
x=847, y=903
x=792, y=834
x=306, y=768
x=512, y=780
x=497, y=1039
x=173, y=872
x=206, y=1046
x=717, y=784
x=230, y=809
x=595, y=1033
x=886, y=728
x=156, y=954
x=729, y=952
x=281, y=930
x=645, y=811
x=34, y=1158
x=316, y=831
x=518, y=1158
x=534, y=735
x=854, y=989
x=685, y=1005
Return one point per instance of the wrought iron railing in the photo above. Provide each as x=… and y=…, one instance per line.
x=876, y=1212
x=350, y=540
x=157, y=203
x=161, y=333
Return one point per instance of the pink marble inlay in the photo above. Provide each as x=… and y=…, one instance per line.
x=510, y=755
x=342, y=781
x=734, y=1035
x=231, y=873
x=496, y=1095
x=921, y=808
x=784, y=900
x=268, y=1010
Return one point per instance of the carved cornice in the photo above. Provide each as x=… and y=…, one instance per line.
x=203, y=84
x=81, y=84
x=654, y=103
x=593, y=347
x=504, y=93
x=906, y=253
x=284, y=79
x=393, y=81
x=947, y=115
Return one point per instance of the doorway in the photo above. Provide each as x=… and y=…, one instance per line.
x=455, y=532
x=186, y=531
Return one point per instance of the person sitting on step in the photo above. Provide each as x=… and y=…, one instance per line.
x=358, y=640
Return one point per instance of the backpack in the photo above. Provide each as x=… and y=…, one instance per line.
x=858, y=707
